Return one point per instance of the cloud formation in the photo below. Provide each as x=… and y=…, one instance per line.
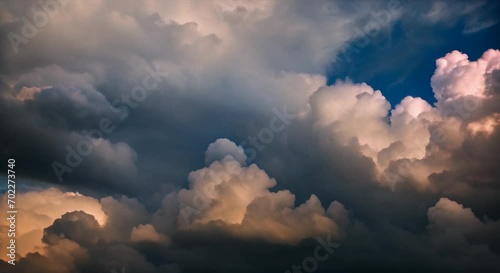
x=239, y=197
x=410, y=185
x=223, y=147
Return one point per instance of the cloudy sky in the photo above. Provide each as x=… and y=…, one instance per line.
x=251, y=135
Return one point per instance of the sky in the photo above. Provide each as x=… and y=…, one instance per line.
x=250, y=136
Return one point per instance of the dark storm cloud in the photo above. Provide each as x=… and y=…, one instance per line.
x=329, y=173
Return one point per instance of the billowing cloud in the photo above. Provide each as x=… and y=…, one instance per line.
x=415, y=133
x=148, y=112
x=224, y=147
x=146, y=233
x=458, y=231
x=38, y=209
x=239, y=199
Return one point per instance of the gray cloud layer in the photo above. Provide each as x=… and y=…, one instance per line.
x=171, y=118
